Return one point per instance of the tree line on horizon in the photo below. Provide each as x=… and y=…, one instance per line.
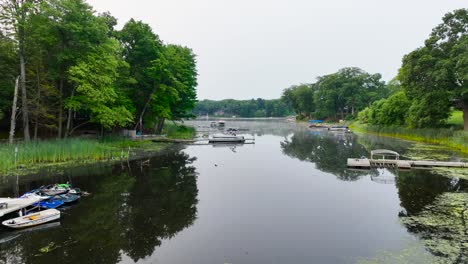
x=243, y=108
x=432, y=81
x=70, y=68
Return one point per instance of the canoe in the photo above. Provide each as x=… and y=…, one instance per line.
x=33, y=219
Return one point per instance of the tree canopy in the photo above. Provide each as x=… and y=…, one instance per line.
x=435, y=76
x=77, y=70
x=336, y=95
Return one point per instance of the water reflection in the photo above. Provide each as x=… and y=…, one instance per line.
x=434, y=208
x=130, y=212
x=329, y=151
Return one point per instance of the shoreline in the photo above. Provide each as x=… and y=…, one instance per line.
x=449, y=142
x=146, y=149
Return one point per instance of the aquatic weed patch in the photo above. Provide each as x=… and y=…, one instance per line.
x=442, y=226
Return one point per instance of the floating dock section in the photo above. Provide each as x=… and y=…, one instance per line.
x=364, y=163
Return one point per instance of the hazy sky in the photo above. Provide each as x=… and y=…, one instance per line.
x=256, y=48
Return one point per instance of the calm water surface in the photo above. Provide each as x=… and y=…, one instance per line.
x=286, y=199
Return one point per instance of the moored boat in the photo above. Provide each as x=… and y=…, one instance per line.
x=51, y=203
x=226, y=139
x=340, y=128
x=67, y=197
x=33, y=219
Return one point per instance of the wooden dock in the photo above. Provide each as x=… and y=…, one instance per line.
x=402, y=164
x=364, y=163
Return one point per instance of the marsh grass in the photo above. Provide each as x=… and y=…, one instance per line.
x=60, y=151
x=456, y=139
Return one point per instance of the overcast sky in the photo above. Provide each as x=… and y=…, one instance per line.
x=256, y=48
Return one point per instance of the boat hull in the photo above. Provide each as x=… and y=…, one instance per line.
x=35, y=219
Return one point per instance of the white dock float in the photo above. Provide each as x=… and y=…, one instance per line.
x=10, y=205
x=402, y=164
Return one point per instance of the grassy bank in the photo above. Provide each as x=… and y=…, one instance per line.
x=34, y=155
x=176, y=131
x=63, y=152
x=455, y=139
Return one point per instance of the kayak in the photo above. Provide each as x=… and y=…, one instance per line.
x=33, y=219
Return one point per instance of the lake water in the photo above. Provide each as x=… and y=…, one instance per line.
x=288, y=198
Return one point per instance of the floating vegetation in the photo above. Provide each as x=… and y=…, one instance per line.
x=413, y=253
x=453, y=172
x=442, y=227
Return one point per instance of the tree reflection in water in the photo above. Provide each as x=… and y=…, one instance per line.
x=329, y=151
x=129, y=213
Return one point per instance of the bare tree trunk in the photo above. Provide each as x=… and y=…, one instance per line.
x=69, y=117
x=24, y=98
x=465, y=115
x=160, y=125
x=60, y=119
x=38, y=94
x=13, y=113
x=140, y=120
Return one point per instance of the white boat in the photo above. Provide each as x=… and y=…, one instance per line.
x=220, y=123
x=226, y=139
x=340, y=128
x=33, y=219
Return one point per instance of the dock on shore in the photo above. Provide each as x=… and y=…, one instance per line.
x=365, y=163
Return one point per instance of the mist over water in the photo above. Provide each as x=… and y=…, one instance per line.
x=288, y=198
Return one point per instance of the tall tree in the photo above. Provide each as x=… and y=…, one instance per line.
x=347, y=91
x=94, y=79
x=438, y=72
x=14, y=16
x=141, y=48
x=8, y=72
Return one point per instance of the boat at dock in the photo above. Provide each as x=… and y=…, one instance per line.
x=339, y=128
x=226, y=139
x=33, y=219
x=67, y=198
x=50, y=203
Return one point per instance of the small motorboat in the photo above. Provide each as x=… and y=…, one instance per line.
x=226, y=139
x=76, y=191
x=33, y=219
x=51, y=203
x=67, y=197
x=340, y=128
x=52, y=190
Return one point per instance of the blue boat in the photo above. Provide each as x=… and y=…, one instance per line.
x=50, y=203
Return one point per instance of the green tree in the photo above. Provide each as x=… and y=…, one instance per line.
x=141, y=50
x=8, y=73
x=14, y=15
x=435, y=75
x=347, y=91
x=94, y=78
x=301, y=99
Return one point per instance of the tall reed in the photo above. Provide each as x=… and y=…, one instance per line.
x=55, y=151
